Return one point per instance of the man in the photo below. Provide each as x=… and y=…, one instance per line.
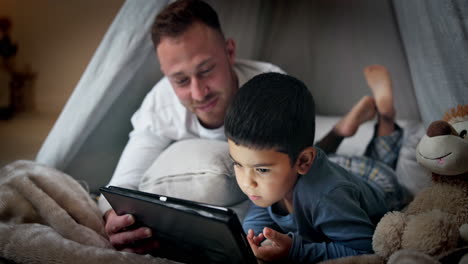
x=201, y=77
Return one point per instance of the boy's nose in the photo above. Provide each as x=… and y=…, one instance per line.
x=248, y=182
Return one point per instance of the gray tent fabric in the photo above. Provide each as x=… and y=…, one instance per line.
x=435, y=37
x=325, y=43
x=91, y=131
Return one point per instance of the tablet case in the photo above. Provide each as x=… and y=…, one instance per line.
x=189, y=232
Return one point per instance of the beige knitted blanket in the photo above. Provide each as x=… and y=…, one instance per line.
x=48, y=217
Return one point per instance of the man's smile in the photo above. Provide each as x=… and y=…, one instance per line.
x=207, y=106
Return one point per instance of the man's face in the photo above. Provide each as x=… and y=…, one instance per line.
x=199, y=66
x=265, y=176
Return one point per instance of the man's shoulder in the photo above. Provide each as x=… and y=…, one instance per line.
x=162, y=96
x=247, y=69
x=256, y=66
x=161, y=110
x=163, y=88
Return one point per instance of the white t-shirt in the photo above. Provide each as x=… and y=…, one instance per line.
x=162, y=120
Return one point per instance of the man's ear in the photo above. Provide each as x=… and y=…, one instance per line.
x=231, y=50
x=305, y=160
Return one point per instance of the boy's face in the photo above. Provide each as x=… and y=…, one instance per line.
x=265, y=176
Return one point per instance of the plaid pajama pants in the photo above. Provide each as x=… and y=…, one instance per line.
x=378, y=166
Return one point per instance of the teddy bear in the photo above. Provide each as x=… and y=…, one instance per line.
x=434, y=227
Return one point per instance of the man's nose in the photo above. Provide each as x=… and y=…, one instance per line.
x=198, y=89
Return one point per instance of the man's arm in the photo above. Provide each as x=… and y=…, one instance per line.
x=141, y=151
x=134, y=162
x=144, y=146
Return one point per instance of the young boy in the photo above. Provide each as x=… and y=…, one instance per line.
x=308, y=208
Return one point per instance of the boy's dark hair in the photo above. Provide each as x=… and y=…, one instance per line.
x=177, y=17
x=272, y=111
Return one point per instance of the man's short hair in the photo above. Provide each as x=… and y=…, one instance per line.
x=272, y=111
x=177, y=17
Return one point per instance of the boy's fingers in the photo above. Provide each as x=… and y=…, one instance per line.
x=256, y=240
x=261, y=237
x=250, y=233
x=253, y=245
x=275, y=236
x=270, y=233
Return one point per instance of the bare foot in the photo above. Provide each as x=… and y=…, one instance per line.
x=379, y=81
x=361, y=112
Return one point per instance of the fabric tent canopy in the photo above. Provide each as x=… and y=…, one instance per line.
x=435, y=37
x=325, y=43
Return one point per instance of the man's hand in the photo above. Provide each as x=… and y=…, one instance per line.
x=135, y=240
x=276, y=250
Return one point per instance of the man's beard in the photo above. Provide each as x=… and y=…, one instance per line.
x=207, y=99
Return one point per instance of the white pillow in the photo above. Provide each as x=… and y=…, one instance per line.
x=194, y=169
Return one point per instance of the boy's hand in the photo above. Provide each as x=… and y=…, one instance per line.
x=276, y=250
x=251, y=237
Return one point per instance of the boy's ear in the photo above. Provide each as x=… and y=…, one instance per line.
x=305, y=160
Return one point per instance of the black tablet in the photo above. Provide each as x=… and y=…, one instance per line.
x=189, y=232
